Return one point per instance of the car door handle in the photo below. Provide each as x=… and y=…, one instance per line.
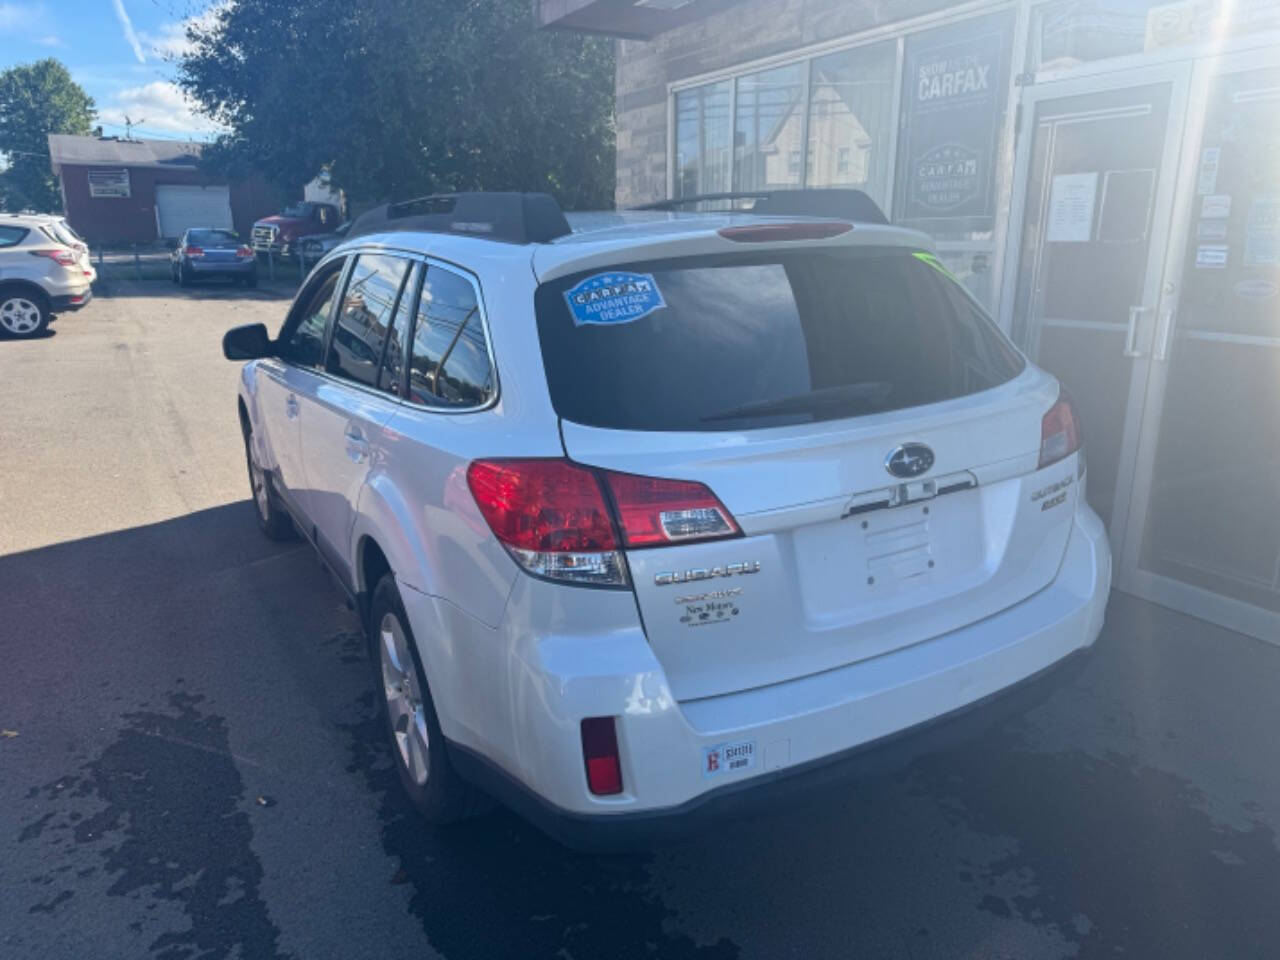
x=356, y=444
x=291, y=407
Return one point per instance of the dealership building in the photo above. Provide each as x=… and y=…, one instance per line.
x=1103, y=175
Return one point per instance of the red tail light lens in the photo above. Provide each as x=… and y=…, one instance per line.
x=600, y=754
x=1059, y=432
x=551, y=516
x=63, y=258
x=192, y=252
x=245, y=253
x=654, y=511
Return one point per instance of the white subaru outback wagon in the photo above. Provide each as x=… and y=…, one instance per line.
x=649, y=516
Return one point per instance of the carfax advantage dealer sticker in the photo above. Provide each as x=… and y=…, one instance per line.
x=618, y=297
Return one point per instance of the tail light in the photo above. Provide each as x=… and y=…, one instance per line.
x=63, y=258
x=653, y=511
x=555, y=521
x=192, y=252
x=600, y=754
x=1059, y=432
x=551, y=517
x=245, y=252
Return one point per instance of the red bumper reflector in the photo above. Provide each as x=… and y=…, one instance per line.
x=600, y=752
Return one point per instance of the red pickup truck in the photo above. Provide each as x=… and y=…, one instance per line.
x=279, y=233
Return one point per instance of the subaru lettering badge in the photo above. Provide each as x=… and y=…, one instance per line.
x=909, y=460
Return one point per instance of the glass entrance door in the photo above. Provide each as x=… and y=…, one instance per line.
x=1097, y=158
x=1204, y=534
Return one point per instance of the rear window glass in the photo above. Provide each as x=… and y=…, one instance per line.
x=211, y=237
x=751, y=341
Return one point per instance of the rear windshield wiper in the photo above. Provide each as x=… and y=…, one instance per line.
x=870, y=394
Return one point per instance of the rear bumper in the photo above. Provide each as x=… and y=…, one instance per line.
x=71, y=301
x=878, y=713
x=225, y=268
x=773, y=790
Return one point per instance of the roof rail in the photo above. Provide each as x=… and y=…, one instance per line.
x=509, y=217
x=831, y=203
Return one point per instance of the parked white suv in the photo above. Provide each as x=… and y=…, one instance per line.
x=40, y=275
x=650, y=516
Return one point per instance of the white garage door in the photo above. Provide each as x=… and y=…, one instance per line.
x=181, y=207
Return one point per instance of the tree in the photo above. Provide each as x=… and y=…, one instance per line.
x=36, y=100
x=397, y=98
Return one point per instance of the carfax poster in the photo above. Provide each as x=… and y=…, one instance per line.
x=956, y=86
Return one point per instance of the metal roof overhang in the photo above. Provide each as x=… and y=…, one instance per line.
x=629, y=19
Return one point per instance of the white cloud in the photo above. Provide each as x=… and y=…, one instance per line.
x=127, y=25
x=170, y=41
x=157, y=107
x=52, y=40
x=24, y=20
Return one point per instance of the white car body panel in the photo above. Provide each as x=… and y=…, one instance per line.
x=56, y=281
x=985, y=589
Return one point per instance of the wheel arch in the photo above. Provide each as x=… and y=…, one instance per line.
x=371, y=566
x=29, y=287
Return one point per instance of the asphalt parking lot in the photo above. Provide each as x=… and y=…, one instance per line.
x=190, y=762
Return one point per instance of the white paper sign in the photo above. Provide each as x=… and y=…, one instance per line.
x=1216, y=206
x=1071, y=208
x=1207, y=182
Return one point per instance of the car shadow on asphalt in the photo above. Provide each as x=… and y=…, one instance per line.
x=266, y=290
x=1133, y=811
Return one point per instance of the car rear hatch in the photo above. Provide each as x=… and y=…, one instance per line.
x=875, y=439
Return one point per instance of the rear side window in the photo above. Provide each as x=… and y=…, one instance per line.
x=301, y=340
x=764, y=340
x=449, y=361
x=355, y=352
x=11, y=236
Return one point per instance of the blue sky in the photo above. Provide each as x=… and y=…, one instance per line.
x=120, y=51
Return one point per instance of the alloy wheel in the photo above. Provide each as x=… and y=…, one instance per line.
x=405, y=706
x=19, y=315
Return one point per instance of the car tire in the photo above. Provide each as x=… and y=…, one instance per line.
x=23, y=313
x=273, y=519
x=417, y=745
x=173, y=272
x=184, y=279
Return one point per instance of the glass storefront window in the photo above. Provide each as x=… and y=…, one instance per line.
x=954, y=97
x=851, y=122
x=702, y=154
x=1072, y=32
x=769, y=128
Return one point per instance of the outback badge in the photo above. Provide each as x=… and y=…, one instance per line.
x=909, y=460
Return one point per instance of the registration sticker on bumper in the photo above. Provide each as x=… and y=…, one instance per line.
x=728, y=758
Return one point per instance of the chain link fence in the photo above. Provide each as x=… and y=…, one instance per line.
x=153, y=262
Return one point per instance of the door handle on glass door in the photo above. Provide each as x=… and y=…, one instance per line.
x=1131, y=335
x=291, y=407
x=1165, y=334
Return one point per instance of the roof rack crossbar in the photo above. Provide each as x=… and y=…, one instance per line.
x=508, y=217
x=834, y=203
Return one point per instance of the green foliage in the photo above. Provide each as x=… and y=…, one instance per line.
x=36, y=100
x=397, y=98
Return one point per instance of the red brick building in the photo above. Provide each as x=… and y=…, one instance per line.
x=139, y=191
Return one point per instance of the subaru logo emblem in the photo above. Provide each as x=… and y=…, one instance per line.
x=909, y=460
